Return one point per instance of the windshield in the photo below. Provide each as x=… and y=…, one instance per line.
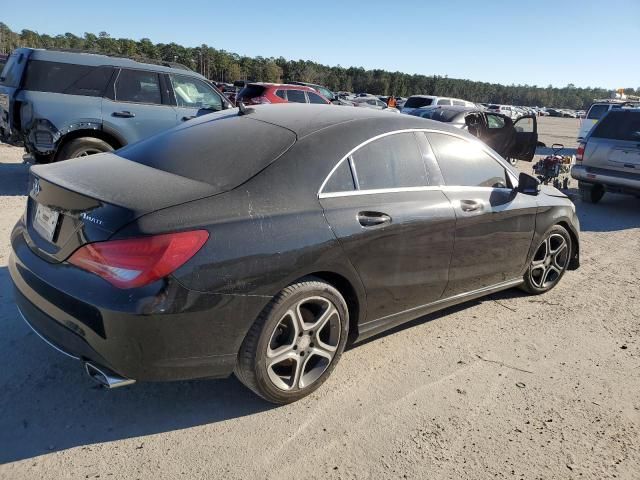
x=418, y=102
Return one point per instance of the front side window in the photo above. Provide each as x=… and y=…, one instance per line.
x=194, y=93
x=393, y=161
x=139, y=87
x=464, y=163
x=313, y=98
x=494, y=121
x=444, y=102
x=282, y=94
x=296, y=96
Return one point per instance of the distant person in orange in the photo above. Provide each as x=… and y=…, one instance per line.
x=391, y=102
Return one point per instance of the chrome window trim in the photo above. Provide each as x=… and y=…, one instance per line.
x=357, y=191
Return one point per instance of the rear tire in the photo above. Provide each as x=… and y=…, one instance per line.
x=591, y=193
x=82, y=147
x=295, y=343
x=550, y=261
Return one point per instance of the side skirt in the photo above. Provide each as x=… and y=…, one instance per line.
x=374, y=327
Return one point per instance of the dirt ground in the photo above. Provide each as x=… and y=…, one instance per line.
x=509, y=386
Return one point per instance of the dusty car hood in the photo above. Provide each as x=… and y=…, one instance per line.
x=552, y=191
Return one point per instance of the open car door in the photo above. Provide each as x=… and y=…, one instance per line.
x=526, y=139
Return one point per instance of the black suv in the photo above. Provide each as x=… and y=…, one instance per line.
x=61, y=104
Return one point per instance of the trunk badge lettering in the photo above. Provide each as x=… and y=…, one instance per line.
x=86, y=217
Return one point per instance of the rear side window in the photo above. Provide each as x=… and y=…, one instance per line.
x=458, y=102
x=341, y=179
x=444, y=102
x=418, y=102
x=251, y=91
x=393, y=161
x=494, y=121
x=619, y=125
x=68, y=78
x=296, y=96
x=282, y=94
x=465, y=164
x=12, y=70
x=596, y=112
x=313, y=98
x=138, y=86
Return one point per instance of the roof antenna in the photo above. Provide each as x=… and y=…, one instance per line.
x=242, y=109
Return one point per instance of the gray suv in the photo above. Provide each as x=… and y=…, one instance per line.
x=609, y=158
x=61, y=104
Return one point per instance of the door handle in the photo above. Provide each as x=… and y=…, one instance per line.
x=187, y=118
x=470, y=205
x=124, y=114
x=373, y=219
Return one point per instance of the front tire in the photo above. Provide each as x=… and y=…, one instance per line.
x=550, y=261
x=295, y=343
x=82, y=147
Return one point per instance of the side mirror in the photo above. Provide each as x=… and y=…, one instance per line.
x=528, y=185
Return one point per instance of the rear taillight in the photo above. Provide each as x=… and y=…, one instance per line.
x=139, y=261
x=580, y=152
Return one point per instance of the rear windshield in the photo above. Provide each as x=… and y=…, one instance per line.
x=596, y=112
x=10, y=75
x=223, y=150
x=619, y=125
x=418, y=102
x=55, y=77
x=251, y=91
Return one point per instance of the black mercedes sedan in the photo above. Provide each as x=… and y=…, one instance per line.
x=259, y=242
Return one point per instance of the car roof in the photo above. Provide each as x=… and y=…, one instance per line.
x=306, y=119
x=284, y=85
x=96, y=60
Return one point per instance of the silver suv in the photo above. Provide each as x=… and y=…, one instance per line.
x=61, y=104
x=609, y=158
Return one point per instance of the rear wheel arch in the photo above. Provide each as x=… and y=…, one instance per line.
x=114, y=142
x=354, y=303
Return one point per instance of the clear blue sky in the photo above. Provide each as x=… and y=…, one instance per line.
x=539, y=42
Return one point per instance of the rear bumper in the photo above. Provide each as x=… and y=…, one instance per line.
x=613, y=180
x=164, y=333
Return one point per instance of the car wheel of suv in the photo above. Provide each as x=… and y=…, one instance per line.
x=591, y=193
x=82, y=147
x=549, y=262
x=295, y=343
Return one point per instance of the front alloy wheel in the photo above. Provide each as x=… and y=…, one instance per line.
x=549, y=262
x=295, y=343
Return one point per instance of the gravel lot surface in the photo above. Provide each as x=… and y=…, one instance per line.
x=510, y=386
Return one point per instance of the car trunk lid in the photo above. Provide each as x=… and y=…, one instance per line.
x=88, y=199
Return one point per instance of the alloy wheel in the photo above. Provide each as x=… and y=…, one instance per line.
x=303, y=343
x=86, y=152
x=549, y=262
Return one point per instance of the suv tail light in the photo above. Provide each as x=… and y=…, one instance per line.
x=580, y=152
x=139, y=261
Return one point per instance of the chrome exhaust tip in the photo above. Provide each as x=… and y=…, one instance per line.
x=105, y=377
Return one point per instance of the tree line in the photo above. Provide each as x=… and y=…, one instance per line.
x=222, y=66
